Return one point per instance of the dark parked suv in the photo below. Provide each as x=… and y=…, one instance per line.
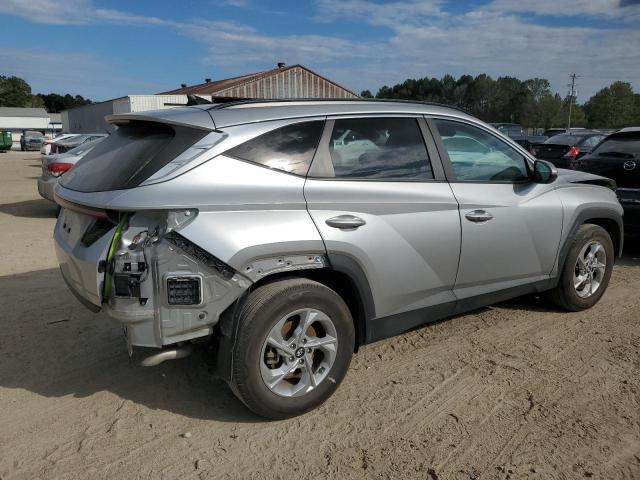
x=618, y=157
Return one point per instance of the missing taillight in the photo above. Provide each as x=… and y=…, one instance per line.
x=200, y=254
x=99, y=228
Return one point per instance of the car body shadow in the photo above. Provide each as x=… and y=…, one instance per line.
x=39, y=208
x=54, y=347
x=630, y=252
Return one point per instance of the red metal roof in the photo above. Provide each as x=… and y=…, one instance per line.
x=215, y=86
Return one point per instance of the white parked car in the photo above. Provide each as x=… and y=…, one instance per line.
x=46, y=145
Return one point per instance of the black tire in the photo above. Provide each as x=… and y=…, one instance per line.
x=260, y=311
x=564, y=295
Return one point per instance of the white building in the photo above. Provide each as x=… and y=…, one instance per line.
x=17, y=120
x=90, y=118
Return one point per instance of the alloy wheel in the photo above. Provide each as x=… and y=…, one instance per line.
x=298, y=352
x=589, y=270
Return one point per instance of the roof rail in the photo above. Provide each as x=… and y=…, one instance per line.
x=219, y=106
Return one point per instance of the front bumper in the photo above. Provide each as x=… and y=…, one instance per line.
x=629, y=198
x=631, y=217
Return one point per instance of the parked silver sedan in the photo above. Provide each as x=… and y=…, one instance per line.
x=289, y=233
x=46, y=145
x=53, y=166
x=63, y=145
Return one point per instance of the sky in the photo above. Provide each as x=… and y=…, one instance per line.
x=110, y=48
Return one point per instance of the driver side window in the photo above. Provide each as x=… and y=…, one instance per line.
x=478, y=156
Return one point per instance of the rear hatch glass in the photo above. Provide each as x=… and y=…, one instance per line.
x=546, y=151
x=620, y=146
x=129, y=156
x=570, y=140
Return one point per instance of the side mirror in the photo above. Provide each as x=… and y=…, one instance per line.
x=544, y=172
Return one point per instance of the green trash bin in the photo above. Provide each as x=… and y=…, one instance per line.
x=5, y=140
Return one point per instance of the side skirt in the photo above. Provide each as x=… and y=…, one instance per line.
x=384, y=327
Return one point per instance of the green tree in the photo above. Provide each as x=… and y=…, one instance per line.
x=366, y=94
x=538, y=94
x=529, y=102
x=550, y=112
x=55, y=103
x=481, y=95
x=14, y=92
x=615, y=106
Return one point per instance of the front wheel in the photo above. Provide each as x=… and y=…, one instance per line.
x=586, y=271
x=294, y=345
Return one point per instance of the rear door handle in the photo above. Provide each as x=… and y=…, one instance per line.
x=478, y=216
x=345, y=222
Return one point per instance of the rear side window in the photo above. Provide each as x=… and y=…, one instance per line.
x=289, y=148
x=379, y=148
x=129, y=156
x=620, y=147
x=593, y=141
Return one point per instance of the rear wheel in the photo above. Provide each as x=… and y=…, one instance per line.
x=294, y=345
x=587, y=269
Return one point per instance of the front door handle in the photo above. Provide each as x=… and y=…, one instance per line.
x=345, y=222
x=478, y=216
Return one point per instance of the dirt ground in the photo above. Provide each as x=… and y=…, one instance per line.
x=518, y=390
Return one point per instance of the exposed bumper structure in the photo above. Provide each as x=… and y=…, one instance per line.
x=162, y=291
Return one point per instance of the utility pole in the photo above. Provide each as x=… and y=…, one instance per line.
x=572, y=95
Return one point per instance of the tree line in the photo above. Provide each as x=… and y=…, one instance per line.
x=530, y=103
x=16, y=92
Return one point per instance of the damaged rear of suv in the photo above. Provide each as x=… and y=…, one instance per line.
x=290, y=233
x=118, y=238
x=165, y=235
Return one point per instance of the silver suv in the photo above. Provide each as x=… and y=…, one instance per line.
x=289, y=233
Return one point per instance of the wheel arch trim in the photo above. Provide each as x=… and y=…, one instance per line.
x=604, y=217
x=345, y=265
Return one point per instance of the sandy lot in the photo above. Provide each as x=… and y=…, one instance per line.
x=518, y=390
